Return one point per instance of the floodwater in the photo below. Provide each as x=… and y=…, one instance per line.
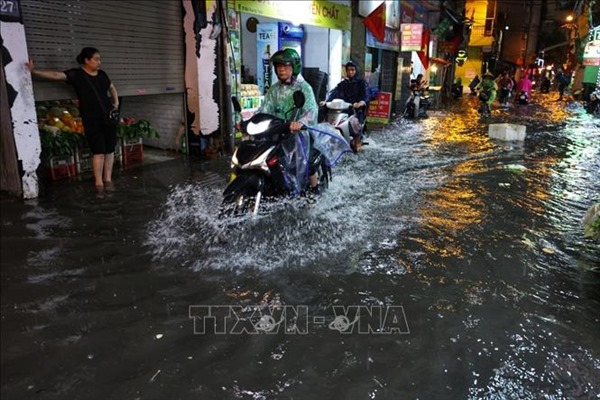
x=440, y=264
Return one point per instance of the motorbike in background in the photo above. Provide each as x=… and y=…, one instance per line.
x=484, y=107
x=545, y=85
x=523, y=98
x=504, y=95
x=593, y=106
x=417, y=104
x=348, y=125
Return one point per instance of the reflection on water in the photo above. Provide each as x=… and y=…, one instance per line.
x=479, y=241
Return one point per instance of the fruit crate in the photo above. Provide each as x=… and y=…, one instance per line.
x=83, y=159
x=61, y=167
x=132, y=151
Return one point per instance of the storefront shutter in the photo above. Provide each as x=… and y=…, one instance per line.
x=389, y=71
x=141, y=42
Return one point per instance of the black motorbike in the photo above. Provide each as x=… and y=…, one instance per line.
x=417, y=104
x=593, y=105
x=263, y=167
x=523, y=98
x=545, y=85
x=504, y=95
x=484, y=107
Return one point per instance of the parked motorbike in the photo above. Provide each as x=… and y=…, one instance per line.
x=523, y=98
x=267, y=165
x=348, y=125
x=417, y=104
x=593, y=106
x=457, y=91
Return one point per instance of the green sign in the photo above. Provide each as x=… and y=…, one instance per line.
x=316, y=12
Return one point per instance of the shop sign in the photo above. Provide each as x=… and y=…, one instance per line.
x=379, y=108
x=390, y=42
x=591, y=54
x=412, y=35
x=317, y=12
x=10, y=11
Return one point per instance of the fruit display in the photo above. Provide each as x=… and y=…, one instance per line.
x=249, y=90
x=61, y=129
x=251, y=97
x=62, y=115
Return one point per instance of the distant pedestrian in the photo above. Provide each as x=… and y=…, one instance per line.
x=563, y=81
x=92, y=86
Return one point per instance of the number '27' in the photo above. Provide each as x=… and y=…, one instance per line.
x=7, y=6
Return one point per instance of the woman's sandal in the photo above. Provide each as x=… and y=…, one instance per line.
x=99, y=191
x=109, y=187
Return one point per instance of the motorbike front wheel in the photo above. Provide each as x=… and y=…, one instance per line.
x=240, y=204
x=242, y=196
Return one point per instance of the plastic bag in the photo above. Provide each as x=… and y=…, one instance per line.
x=295, y=150
x=329, y=142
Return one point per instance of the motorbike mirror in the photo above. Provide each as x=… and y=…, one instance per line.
x=299, y=99
x=236, y=104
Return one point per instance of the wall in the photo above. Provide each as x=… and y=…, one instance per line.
x=478, y=10
x=316, y=45
x=335, y=58
x=201, y=70
x=22, y=109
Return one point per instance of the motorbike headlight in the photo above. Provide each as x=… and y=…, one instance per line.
x=254, y=129
x=234, y=160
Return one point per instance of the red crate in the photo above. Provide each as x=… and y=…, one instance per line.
x=132, y=152
x=61, y=168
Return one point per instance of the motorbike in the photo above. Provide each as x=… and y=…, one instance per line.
x=457, y=90
x=417, y=104
x=348, y=125
x=504, y=96
x=523, y=98
x=545, y=85
x=593, y=106
x=266, y=166
x=484, y=107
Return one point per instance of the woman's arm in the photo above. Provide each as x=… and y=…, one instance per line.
x=114, y=95
x=51, y=75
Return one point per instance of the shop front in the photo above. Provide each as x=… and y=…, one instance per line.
x=318, y=30
x=146, y=65
x=591, y=63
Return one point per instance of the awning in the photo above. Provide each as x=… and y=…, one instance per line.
x=440, y=61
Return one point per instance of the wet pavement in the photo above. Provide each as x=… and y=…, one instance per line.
x=440, y=264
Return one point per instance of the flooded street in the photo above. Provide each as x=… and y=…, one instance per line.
x=440, y=264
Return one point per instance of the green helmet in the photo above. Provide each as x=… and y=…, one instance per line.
x=288, y=57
